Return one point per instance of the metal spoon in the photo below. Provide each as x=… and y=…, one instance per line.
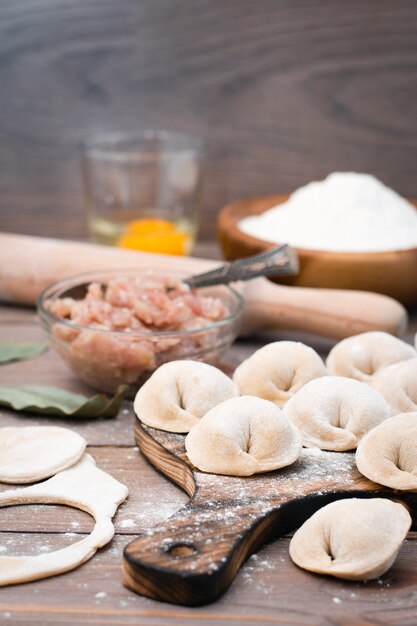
x=281, y=260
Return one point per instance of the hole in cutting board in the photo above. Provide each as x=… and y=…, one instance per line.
x=182, y=550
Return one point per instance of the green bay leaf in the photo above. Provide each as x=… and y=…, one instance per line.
x=20, y=350
x=55, y=401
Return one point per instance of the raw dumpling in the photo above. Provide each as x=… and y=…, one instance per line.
x=353, y=539
x=398, y=385
x=179, y=393
x=32, y=453
x=243, y=436
x=278, y=370
x=361, y=356
x=388, y=454
x=334, y=413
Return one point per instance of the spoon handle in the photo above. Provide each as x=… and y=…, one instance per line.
x=275, y=261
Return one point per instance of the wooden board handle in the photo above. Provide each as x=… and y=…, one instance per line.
x=193, y=558
x=187, y=560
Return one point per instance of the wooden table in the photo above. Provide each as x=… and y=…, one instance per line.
x=268, y=590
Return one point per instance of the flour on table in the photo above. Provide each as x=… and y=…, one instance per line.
x=127, y=523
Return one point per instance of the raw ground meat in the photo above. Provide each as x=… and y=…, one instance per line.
x=143, y=305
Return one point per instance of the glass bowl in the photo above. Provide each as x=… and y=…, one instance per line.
x=104, y=358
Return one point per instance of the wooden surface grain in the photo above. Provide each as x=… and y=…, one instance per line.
x=268, y=590
x=285, y=91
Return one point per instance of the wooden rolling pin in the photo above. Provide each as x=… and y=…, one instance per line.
x=29, y=264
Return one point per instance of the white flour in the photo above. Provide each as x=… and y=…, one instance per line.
x=347, y=212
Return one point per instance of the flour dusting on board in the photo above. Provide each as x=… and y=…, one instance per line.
x=317, y=468
x=316, y=472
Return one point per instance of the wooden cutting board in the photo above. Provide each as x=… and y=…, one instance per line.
x=192, y=558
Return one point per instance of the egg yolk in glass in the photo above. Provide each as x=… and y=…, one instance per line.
x=155, y=235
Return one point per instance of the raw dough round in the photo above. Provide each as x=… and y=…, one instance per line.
x=278, y=370
x=179, y=393
x=353, y=539
x=83, y=486
x=334, y=413
x=398, y=385
x=388, y=454
x=361, y=356
x=32, y=453
x=243, y=436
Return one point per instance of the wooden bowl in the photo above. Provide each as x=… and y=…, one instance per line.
x=390, y=273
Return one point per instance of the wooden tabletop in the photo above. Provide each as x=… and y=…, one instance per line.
x=270, y=589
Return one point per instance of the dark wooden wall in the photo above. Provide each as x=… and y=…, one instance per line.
x=286, y=91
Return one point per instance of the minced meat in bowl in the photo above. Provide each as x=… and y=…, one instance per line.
x=118, y=326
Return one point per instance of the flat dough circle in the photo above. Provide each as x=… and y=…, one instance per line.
x=398, y=385
x=32, y=453
x=361, y=356
x=353, y=539
x=83, y=486
x=334, y=413
x=388, y=454
x=243, y=436
x=179, y=393
x=278, y=370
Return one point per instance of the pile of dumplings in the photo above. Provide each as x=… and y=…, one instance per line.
x=284, y=397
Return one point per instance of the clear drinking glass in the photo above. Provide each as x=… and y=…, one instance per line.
x=143, y=190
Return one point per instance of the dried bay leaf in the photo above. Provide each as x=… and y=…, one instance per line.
x=55, y=401
x=20, y=350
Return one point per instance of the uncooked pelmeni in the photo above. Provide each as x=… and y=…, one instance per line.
x=278, y=370
x=353, y=539
x=32, y=453
x=388, y=454
x=362, y=356
x=334, y=413
x=398, y=385
x=179, y=393
x=243, y=436
x=83, y=486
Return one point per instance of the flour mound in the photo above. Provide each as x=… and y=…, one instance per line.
x=346, y=212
